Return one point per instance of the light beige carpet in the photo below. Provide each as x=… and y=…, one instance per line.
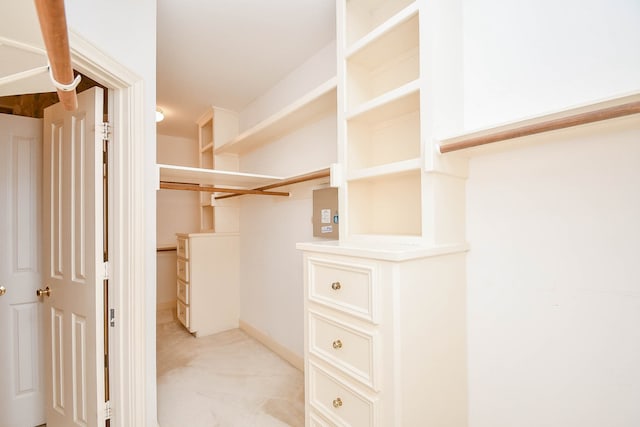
x=223, y=380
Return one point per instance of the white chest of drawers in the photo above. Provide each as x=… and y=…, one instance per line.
x=208, y=282
x=384, y=337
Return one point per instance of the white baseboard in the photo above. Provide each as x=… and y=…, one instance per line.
x=288, y=355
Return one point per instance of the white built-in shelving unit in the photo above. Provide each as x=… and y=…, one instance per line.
x=385, y=305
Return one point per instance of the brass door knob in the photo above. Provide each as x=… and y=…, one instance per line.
x=337, y=344
x=336, y=286
x=337, y=402
x=43, y=292
x=3, y=290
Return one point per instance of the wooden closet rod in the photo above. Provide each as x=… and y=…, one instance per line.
x=195, y=187
x=53, y=25
x=322, y=173
x=544, y=126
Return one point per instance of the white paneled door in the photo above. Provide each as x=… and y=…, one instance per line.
x=73, y=266
x=21, y=357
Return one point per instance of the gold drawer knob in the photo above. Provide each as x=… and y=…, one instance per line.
x=336, y=286
x=337, y=402
x=337, y=344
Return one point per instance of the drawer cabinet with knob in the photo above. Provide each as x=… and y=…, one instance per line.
x=207, y=283
x=384, y=336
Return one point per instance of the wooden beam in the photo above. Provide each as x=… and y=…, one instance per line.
x=53, y=25
x=544, y=126
x=322, y=173
x=194, y=187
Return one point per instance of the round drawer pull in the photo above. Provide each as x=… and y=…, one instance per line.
x=336, y=286
x=337, y=344
x=337, y=402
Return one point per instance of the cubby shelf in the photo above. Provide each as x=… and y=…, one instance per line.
x=315, y=103
x=394, y=103
x=366, y=17
x=386, y=27
x=386, y=169
x=207, y=147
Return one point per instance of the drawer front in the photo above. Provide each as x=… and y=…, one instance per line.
x=182, y=248
x=316, y=420
x=351, y=288
x=183, y=292
x=183, y=269
x=183, y=314
x=338, y=401
x=354, y=351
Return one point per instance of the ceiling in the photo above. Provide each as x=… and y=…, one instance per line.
x=229, y=52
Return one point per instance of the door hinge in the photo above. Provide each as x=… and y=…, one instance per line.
x=112, y=317
x=106, y=131
x=105, y=275
x=107, y=410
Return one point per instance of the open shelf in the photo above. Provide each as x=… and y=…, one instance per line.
x=395, y=103
x=388, y=62
x=363, y=16
x=207, y=147
x=314, y=104
x=386, y=169
x=183, y=174
x=386, y=205
x=392, y=138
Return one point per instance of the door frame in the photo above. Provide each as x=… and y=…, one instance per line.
x=130, y=388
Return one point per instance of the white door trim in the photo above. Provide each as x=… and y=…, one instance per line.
x=126, y=222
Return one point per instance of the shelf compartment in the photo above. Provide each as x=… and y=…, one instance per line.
x=315, y=104
x=395, y=103
x=386, y=205
x=386, y=139
x=205, y=129
x=207, y=147
x=363, y=16
x=206, y=218
x=386, y=169
x=386, y=63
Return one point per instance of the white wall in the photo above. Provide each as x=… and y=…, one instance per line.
x=176, y=212
x=126, y=31
x=271, y=292
x=312, y=73
x=531, y=56
x=553, y=272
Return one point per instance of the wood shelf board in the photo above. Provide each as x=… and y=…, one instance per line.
x=189, y=175
x=399, y=167
x=207, y=147
x=366, y=17
x=572, y=116
x=318, y=101
x=392, y=104
x=383, y=44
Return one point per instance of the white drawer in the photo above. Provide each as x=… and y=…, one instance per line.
x=354, y=351
x=182, y=249
x=316, y=420
x=338, y=401
x=183, y=314
x=183, y=292
x=182, y=268
x=348, y=287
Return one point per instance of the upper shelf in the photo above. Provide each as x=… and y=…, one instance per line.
x=320, y=100
x=602, y=110
x=184, y=174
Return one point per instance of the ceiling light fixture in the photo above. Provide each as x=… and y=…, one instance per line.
x=159, y=115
